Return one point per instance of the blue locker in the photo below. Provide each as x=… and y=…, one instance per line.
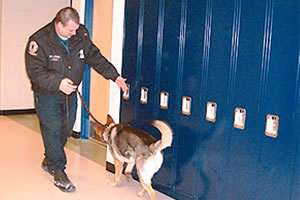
x=236, y=54
x=277, y=157
x=243, y=147
x=130, y=106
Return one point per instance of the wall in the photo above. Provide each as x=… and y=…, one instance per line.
x=1, y=16
x=15, y=91
x=116, y=59
x=116, y=56
x=102, y=37
x=79, y=5
x=105, y=95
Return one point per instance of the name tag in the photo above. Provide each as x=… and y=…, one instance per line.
x=54, y=58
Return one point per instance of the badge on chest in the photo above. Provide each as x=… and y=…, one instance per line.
x=81, y=54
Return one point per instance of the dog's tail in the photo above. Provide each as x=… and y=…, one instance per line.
x=166, y=135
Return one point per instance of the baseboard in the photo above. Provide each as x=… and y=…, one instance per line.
x=17, y=112
x=110, y=167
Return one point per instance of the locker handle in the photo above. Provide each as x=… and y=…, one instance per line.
x=186, y=105
x=126, y=93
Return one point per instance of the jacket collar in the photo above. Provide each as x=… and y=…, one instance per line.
x=53, y=37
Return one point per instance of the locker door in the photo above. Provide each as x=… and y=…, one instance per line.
x=147, y=63
x=130, y=51
x=167, y=69
x=296, y=171
x=215, y=135
x=244, y=91
x=190, y=179
x=278, y=155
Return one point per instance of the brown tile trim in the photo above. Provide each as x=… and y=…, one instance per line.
x=17, y=112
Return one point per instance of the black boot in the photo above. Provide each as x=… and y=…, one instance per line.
x=62, y=181
x=45, y=166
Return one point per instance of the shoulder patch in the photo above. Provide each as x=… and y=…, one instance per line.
x=33, y=48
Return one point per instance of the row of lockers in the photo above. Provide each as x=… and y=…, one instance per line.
x=231, y=58
x=239, y=116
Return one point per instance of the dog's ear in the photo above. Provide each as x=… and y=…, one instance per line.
x=109, y=120
x=98, y=129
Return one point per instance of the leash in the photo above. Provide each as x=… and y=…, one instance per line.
x=87, y=110
x=67, y=113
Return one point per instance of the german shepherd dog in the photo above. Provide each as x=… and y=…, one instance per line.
x=136, y=148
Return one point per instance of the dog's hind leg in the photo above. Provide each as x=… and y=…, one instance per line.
x=128, y=170
x=145, y=180
x=118, y=170
x=146, y=187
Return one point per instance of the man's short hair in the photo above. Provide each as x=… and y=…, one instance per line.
x=66, y=14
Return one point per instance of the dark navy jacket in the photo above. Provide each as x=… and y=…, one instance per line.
x=47, y=61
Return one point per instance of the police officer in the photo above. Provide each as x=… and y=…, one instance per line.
x=55, y=57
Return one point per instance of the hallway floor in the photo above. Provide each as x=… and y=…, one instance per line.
x=21, y=153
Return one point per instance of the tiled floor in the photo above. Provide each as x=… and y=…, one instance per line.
x=21, y=177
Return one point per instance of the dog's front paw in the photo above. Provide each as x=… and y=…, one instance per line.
x=114, y=183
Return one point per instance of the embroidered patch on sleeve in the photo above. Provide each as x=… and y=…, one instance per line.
x=33, y=48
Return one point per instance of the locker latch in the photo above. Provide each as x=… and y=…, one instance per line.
x=186, y=105
x=164, y=97
x=239, y=118
x=272, y=124
x=126, y=93
x=144, y=95
x=211, y=111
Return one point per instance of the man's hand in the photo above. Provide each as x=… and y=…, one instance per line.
x=120, y=81
x=66, y=86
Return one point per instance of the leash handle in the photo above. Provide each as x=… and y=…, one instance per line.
x=87, y=110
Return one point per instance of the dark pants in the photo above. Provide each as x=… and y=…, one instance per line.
x=52, y=114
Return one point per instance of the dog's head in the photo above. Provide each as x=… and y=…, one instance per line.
x=103, y=132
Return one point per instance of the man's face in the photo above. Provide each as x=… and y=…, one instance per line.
x=67, y=30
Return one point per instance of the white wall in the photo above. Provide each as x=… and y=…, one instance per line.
x=1, y=17
x=19, y=19
x=79, y=5
x=116, y=59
